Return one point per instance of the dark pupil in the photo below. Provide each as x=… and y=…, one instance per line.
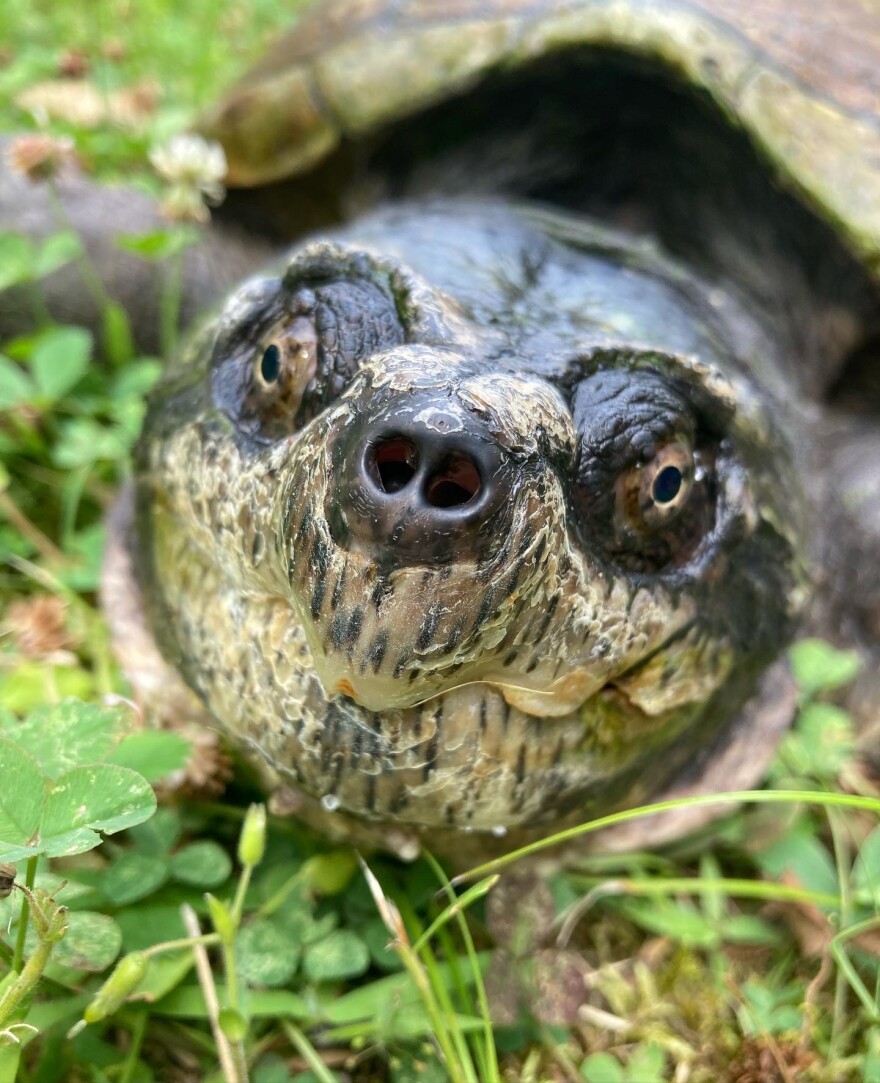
x=270, y=365
x=666, y=485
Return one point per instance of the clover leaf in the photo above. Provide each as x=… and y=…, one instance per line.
x=63, y=816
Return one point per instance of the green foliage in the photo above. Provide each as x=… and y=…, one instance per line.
x=22, y=262
x=690, y=925
x=645, y=1065
x=60, y=817
x=268, y=955
x=60, y=791
x=92, y=942
x=160, y=245
x=818, y=667
x=602, y=1068
x=58, y=360
x=866, y=873
x=202, y=864
x=133, y=876
x=155, y=754
x=140, y=872
x=70, y=734
x=821, y=744
x=336, y=957
x=16, y=388
x=771, y=1010
x=802, y=854
x=59, y=795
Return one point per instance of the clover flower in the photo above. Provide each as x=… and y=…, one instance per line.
x=38, y=626
x=194, y=169
x=40, y=156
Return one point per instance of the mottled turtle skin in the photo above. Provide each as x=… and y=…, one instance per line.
x=489, y=509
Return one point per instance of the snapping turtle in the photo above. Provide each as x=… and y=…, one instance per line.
x=491, y=506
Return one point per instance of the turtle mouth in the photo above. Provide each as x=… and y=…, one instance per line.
x=642, y=686
x=494, y=768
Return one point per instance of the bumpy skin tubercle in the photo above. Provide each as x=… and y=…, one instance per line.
x=458, y=526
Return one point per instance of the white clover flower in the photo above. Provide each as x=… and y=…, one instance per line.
x=190, y=159
x=194, y=169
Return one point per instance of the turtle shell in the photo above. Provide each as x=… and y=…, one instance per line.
x=802, y=80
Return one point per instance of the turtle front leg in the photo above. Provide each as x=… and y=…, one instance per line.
x=100, y=215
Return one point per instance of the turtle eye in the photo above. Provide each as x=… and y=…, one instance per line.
x=285, y=363
x=653, y=494
x=667, y=485
x=645, y=483
x=270, y=363
x=307, y=358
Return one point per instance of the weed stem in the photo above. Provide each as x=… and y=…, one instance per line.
x=308, y=1052
x=47, y=549
x=137, y=1039
x=169, y=303
x=91, y=279
x=29, y=878
x=206, y=939
x=209, y=992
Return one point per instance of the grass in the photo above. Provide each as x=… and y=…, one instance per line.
x=199, y=944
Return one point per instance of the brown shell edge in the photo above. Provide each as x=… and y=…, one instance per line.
x=791, y=74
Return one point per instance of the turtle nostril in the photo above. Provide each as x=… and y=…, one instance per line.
x=456, y=482
x=413, y=490
x=396, y=461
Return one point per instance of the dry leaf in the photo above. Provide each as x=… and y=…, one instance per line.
x=74, y=64
x=38, y=625
x=82, y=104
x=811, y=927
x=763, y=1059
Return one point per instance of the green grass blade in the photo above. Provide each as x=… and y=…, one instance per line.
x=745, y=797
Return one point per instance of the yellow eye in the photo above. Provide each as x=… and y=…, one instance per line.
x=652, y=495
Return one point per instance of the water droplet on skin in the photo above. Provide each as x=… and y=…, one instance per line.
x=409, y=851
x=330, y=802
x=499, y=831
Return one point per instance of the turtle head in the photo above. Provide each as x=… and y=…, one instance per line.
x=445, y=460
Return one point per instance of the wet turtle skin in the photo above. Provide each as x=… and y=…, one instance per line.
x=471, y=517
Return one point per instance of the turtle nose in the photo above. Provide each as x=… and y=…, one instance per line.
x=443, y=476
x=427, y=486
